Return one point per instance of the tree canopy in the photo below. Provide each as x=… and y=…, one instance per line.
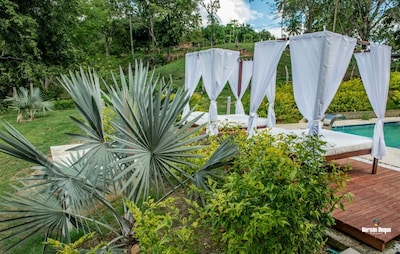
x=42, y=39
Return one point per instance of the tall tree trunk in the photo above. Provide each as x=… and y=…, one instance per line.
x=131, y=36
x=335, y=15
x=151, y=31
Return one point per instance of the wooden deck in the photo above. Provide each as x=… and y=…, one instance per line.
x=375, y=197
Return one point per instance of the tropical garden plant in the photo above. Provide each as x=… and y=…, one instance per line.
x=278, y=197
x=28, y=102
x=146, y=153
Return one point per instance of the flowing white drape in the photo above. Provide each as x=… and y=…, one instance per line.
x=266, y=58
x=374, y=67
x=271, y=119
x=246, y=73
x=319, y=62
x=216, y=67
x=192, y=76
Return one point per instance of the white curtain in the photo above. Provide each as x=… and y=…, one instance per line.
x=266, y=58
x=374, y=67
x=271, y=119
x=246, y=71
x=216, y=67
x=192, y=76
x=319, y=62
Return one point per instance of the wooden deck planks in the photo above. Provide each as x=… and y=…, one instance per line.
x=375, y=196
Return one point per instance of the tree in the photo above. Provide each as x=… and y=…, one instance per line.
x=366, y=19
x=29, y=102
x=35, y=38
x=211, y=7
x=19, y=47
x=297, y=14
x=177, y=22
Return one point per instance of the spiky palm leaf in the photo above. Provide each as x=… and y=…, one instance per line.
x=155, y=143
x=213, y=168
x=28, y=213
x=70, y=186
x=84, y=88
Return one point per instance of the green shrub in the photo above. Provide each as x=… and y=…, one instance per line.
x=365, y=116
x=351, y=96
x=278, y=199
x=74, y=248
x=394, y=81
x=64, y=104
x=395, y=97
x=285, y=106
x=199, y=102
x=160, y=228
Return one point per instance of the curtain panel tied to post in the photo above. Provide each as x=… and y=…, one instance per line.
x=192, y=76
x=374, y=67
x=319, y=62
x=266, y=58
x=216, y=67
x=239, y=81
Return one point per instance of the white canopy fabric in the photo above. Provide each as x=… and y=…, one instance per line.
x=266, y=58
x=247, y=71
x=374, y=67
x=192, y=76
x=319, y=62
x=271, y=119
x=216, y=67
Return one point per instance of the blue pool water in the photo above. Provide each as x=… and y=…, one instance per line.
x=391, y=130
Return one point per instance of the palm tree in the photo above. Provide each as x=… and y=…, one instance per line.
x=147, y=154
x=29, y=102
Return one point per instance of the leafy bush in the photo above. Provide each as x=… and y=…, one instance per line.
x=199, y=102
x=161, y=228
x=395, y=97
x=351, y=96
x=74, y=248
x=285, y=106
x=63, y=104
x=394, y=81
x=278, y=199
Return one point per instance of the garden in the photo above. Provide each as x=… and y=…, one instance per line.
x=151, y=181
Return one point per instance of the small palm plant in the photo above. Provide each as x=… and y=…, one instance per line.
x=147, y=154
x=29, y=102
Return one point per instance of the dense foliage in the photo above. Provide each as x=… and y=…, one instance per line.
x=145, y=153
x=277, y=197
x=40, y=41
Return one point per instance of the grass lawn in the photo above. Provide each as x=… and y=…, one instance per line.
x=42, y=132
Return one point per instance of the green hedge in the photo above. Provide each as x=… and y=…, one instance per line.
x=64, y=104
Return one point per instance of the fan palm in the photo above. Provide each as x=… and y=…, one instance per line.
x=29, y=102
x=146, y=154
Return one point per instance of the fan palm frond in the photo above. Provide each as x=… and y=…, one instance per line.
x=84, y=88
x=212, y=169
x=154, y=142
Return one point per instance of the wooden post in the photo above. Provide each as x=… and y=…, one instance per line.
x=375, y=166
x=240, y=77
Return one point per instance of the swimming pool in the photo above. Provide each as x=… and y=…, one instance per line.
x=391, y=130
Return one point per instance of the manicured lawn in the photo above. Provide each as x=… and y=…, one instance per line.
x=43, y=132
